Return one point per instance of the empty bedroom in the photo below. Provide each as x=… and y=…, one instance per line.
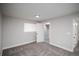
x=39, y=29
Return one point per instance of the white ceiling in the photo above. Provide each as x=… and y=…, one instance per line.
x=45, y=10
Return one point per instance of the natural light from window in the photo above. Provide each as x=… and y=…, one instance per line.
x=29, y=27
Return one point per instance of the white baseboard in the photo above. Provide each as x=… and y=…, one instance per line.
x=34, y=41
x=17, y=45
x=71, y=50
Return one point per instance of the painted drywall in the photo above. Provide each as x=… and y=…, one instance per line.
x=78, y=30
x=13, y=32
x=77, y=21
x=0, y=33
x=40, y=32
x=61, y=32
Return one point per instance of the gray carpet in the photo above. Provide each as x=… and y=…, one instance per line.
x=37, y=49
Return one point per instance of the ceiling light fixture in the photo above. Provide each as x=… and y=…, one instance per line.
x=37, y=16
x=47, y=23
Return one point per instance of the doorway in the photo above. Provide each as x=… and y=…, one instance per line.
x=46, y=32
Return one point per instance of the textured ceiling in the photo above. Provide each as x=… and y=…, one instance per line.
x=28, y=11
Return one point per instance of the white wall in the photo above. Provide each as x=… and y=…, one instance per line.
x=60, y=32
x=40, y=32
x=0, y=33
x=13, y=32
x=78, y=31
x=77, y=20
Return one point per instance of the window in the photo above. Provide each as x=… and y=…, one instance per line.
x=29, y=27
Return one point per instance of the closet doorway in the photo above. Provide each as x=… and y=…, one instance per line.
x=46, y=32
